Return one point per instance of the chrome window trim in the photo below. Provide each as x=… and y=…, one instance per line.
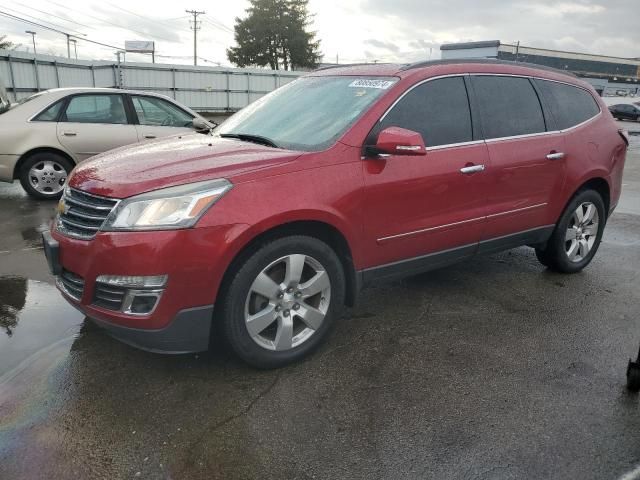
x=454, y=145
x=513, y=137
x=440, y=227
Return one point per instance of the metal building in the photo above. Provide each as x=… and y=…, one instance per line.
x=606, y=74
x=204, y=89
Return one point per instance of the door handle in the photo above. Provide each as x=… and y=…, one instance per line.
x=69, y=134
x=472, y=169
x=555, y=156
x=149, y=136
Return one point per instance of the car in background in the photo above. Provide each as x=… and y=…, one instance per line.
x=625, y=111
x=5, y=103
x=48, y=133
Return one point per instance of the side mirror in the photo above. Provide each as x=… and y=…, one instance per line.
x=400, y=141
x=201, y=125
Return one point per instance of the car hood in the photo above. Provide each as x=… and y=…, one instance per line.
x=173, y=161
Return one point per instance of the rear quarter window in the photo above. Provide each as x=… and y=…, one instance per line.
x=50, y=114
x=569, y=105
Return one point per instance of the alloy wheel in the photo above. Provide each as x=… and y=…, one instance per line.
x=287, y=302
x=582, y=232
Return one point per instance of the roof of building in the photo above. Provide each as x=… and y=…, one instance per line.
x=465, y=45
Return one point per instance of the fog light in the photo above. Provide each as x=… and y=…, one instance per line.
x=134, y=281
x=143, y=304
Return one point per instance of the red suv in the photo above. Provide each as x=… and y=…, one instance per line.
x=343, y=177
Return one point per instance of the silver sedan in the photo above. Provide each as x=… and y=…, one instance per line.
x=47, y=134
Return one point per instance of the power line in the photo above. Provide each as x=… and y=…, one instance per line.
x=195, y=27
x=40, y=20
x=107, y=22
x=147, y=19
x=68, y=35
x=219, y=25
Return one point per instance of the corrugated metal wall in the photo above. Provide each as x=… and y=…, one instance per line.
x=204, y=89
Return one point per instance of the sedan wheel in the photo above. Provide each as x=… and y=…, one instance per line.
x=43, y=175
x=47, y=177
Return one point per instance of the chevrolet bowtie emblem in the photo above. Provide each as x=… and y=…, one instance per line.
x=63, y=208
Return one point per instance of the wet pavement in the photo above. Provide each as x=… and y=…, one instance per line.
x=493, y=369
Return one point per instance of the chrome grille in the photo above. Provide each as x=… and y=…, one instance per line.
x=108, y=296
x=83, y=213
x=72, y=284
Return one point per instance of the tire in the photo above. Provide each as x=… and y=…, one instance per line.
x=43, y=175
x=282, y=306
x=574, y=243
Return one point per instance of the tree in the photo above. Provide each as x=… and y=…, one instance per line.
x=6, y=44
x=274, y=33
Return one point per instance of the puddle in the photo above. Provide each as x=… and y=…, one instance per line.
x=33, y=316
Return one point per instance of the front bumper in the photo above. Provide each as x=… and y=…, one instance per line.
x=193, y=259
x=188, y=332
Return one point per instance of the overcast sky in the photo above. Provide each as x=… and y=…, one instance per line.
x=355, y=30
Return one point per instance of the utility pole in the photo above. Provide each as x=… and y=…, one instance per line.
x=517, y=49
x=33, y=37
x=68, y=45
x=75, y=46
x=195, y=27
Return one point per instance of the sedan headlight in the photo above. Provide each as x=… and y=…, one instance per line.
x=167, y=208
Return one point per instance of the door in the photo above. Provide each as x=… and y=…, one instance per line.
x=159, y=118
x=95, y=123
x=424, y=211
x=527, y=160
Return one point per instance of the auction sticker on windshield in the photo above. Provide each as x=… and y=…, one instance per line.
x=382, y=84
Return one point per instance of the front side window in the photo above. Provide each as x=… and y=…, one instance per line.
x=158, y=112
x=308, y=114
x=96, y=109
x=569, y=105
x=437, y=109
x=509, y=106
x=50, y=114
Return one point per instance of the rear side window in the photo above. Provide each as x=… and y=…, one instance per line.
x=50, y=114
x=569, y=105
x=96, y=109
x=509, y=106
x=437, y=109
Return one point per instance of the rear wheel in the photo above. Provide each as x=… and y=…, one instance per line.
x=43, y=175
x=577, y=235
x=282, y=301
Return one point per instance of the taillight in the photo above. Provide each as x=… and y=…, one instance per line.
x=625, y=135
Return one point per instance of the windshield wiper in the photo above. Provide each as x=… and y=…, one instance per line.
x=247, y=137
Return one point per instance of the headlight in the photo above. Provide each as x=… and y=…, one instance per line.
x=167, y=208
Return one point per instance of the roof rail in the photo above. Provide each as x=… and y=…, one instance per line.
x=484, y=61
x=346, y=65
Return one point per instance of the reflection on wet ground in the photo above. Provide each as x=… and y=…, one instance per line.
x=493, y=369
x=33, y=315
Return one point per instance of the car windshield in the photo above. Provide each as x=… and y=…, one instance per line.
x=309, y=114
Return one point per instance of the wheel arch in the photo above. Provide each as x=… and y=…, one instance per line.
x=25, y=156
x=600, y=185
x=321, y=230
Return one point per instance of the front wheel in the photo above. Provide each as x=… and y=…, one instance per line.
x=577, y=235
x=43, y=175
x=282, y=301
